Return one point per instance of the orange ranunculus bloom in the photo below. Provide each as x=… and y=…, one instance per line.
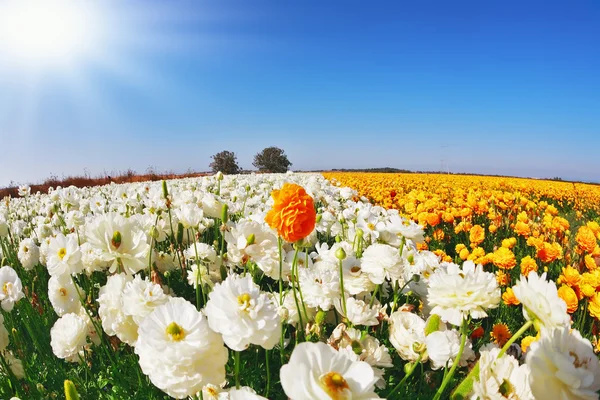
x=590, y=262
x=509, y=298
x=570, y=297
x=500, y=333
x=293, y=214
x=586, y=240
x=549, y=252
x=570, y=276
x=594, y=306
x=522, y=229
x=528, y=264
x=476, y=235
x=504, y=258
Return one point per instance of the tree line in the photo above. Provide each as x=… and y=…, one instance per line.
x=270, y=159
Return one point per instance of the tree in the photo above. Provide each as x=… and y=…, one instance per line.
x=225, y=162
x=272, y=159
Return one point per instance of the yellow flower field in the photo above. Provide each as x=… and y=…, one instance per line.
x=510, y=225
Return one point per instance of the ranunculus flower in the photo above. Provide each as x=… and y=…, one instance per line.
x=293, y=214
x=317, y=371
x=563, y=366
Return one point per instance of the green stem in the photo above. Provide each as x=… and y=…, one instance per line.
x=448, y=378
x=514, y=337
x=408, y=374
x=267, y=355
x=236, y=356
x=342, y=288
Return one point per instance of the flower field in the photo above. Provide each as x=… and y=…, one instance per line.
x=302, y=286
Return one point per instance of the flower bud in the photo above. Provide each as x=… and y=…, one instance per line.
x=70, y=391
x=359, y=232
x=224, y=211
x=319, y=217
x=219, y=176
x=179, y=233
x=433, y=324
x=250, y=239
x=164, y=189
x=340, y=254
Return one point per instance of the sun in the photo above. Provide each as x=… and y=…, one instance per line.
x=46, y=32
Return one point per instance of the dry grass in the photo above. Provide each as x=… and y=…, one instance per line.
x=81, y=181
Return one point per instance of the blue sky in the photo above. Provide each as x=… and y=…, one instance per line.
x=501, y=87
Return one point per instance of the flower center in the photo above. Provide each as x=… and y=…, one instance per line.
x=355, y=269
x=371, y=226
x=62, y=291
x=335, y=385
x=6, y=287
x=244, y=301
x=25, y=249
x=116, y=239
x=62, y=252
x=175, y=332
x=577, y=362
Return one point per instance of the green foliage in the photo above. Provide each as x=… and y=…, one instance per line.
x=226, y=162
x=272, y=159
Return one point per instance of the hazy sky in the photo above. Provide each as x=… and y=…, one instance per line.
x=503, y=87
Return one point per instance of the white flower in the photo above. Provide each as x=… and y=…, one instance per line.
x=443, y=347
x=15, y=365
x=290, y=310
x=201, y=251
x=29, y=254
x=541, y=302
x=63, y=295
x=190, y=216
x=121, y=242
x=201, y=275
x=500, y=378
x=320, y=285
x=563, y=366
x=63, y=256
x=178, y=351
x=243, y=393
x=317, y=371
x=4, y=340
x=407, y=335
x=359, y=346
x=11, y=289
x=381, y=262
x=239, y=311
x=457, y=293
x=141, y=297
x=68, y=337
x=114, y=320
x=358, y=312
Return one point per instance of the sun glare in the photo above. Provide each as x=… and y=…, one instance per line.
x=43, y=32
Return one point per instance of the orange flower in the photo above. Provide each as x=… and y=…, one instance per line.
x=504, y=258
x=502, y=278
x=438, y=234
x=476, y=235
x=549, y=252
x=293, y=214
x=594, y=306
x=464, y=254
x=569, y=276
x=569, y=296
x=500, y=333
x=586, y=240
x=477, y=333
x=492, y=228
x=528, y=264
x=509, y=298
x=433, y=219
x=590, y=262
x=522, y=229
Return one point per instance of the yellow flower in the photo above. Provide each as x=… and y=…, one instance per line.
x=569, y=276
x=570, y=297
x=528, y=265
x=504, y=258
x=594, y=306
x=509, y=298
x=476, y=235
x=586, y=240
x=526, y=342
